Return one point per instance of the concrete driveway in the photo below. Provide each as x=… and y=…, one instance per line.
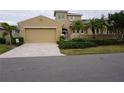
x=33, y=50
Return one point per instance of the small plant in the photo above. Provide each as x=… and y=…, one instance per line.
x=62, y=38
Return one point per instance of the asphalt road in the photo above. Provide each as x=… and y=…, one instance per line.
x=88, y=68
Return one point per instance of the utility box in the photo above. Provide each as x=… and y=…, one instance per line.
x=17, y=40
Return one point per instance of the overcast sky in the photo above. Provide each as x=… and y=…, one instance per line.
x=14, y=16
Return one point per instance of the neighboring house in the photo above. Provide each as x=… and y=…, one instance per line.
x=2, y=30
x=15, y=33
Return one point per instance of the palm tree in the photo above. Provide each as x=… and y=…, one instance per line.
x=78, y=26
x=8, y=28
x=86, y=27
x=97, y=25
x=93, y=26
x=102, y=24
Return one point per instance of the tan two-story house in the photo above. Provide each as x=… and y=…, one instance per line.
x=44, y=29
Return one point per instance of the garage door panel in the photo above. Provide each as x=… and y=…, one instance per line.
x=38, y=35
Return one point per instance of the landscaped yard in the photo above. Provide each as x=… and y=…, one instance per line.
x=4, y=48
x=94, y=50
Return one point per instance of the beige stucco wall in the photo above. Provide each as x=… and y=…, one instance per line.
x=40, y=22
x=65, y=22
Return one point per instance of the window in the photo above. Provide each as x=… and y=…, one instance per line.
x=61, y=16
x=71, y=18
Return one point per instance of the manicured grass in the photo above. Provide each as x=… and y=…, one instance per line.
x=94, y=50
x=4, y=48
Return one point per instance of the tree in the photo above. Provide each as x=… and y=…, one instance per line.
x=93, y=25
x=78, y=26
x=117, y=22
x=86, y=27
x=97, y=25
x=102, y=24
x=8, y=28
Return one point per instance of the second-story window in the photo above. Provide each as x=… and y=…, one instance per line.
x=61, y=16
x=71, y=18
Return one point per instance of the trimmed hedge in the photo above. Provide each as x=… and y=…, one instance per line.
x=72, y=45
x=21, y=41
x=100, y=42
x=107, y=42
x=81, y=43
x=2, y=41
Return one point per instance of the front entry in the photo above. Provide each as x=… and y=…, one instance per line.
x=65, y=32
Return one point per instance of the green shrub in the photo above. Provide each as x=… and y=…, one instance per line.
x=100, y=42
x=21, y=41
x=62, y=38
x=106, y=42
x=2, y=41
x=81, y=43
x=72, y=44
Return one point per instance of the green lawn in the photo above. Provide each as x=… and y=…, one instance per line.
x=94, y=50
x=4, y=48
